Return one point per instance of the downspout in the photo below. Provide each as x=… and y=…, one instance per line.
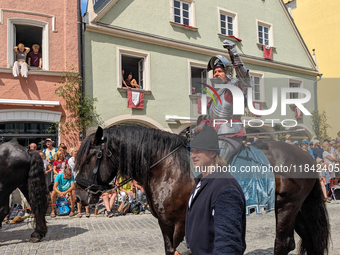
x=80, y=55
x=316, y=108
x=316, y=92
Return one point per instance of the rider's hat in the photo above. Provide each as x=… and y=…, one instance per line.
x=207, y=139
x=288, y=136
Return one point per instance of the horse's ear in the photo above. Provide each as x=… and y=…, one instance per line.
x=96, y=140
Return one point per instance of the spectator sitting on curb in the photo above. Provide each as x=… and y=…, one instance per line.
x=63, y=184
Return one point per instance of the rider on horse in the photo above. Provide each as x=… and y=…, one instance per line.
x=223, y=72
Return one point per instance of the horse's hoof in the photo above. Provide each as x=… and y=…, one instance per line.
x=35, y=240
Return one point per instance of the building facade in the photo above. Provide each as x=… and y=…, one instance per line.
x=317, y=24
x=28, y=106
x=167, y=44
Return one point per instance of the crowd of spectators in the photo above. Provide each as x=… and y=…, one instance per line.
x=60, y=172
x=327, y=159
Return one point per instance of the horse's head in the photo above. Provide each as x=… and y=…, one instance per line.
x=96, y=166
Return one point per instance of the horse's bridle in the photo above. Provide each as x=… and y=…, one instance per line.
x=91, y=183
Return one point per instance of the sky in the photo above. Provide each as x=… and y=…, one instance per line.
x=83, y=6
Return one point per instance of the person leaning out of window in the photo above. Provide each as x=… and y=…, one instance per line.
x=20, y=65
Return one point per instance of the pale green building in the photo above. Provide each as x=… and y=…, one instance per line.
x=165, y=43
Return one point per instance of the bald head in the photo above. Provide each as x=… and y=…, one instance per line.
x=33, y=146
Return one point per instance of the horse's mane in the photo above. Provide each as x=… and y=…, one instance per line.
x=137, y=148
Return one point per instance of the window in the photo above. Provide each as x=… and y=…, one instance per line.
x=265, y=34
x=198, y=76
x=258, y=88
x=228, y=23
x=135, y=63
x=294, y=84
x=134, y=66
x=182, y=13
x=227, y=27
x=28, y=32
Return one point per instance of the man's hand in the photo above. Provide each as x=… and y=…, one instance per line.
x=227, y=44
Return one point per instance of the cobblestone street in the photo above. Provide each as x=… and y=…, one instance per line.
x=132, y=234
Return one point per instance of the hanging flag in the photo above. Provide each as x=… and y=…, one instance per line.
x=238, y=39
x=135, y=99
x=257, y=106
x=267, y=52
x=298, y=113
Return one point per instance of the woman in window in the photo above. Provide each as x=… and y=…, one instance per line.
x=20, y=65
x=131, y=83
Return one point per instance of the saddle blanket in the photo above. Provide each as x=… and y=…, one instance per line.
x=257, y=182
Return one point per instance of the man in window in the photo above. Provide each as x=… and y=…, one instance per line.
x=223, y=72
x=35, y=57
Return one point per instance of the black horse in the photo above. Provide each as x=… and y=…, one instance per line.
x=160, y=162
x=23, y=169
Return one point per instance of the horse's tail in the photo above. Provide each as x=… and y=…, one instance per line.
x=37, y=194
x=312, y=223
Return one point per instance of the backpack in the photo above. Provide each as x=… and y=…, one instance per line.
x=136, y=207
x=124, y=208
x=16, y=210
x=62, y=207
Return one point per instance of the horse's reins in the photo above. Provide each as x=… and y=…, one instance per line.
x=171, y=152
x=91, y=183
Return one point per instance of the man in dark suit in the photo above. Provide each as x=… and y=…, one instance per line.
x=216, y=212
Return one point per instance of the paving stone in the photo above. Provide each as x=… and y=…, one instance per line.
x=133, y=234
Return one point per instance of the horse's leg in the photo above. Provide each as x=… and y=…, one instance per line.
x=4, y=207
x=167, y=233
x=179, y=233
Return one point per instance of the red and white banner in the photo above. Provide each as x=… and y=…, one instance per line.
x=135, y=99
x=267, y=52
x=257, y=106
x=298, y=113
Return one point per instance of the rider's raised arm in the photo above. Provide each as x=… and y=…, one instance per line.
x=242, y=73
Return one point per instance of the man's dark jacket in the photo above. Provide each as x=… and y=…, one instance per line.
x=216, y=218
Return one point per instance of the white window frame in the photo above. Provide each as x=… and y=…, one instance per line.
x=270, y=32
x=262, y=89
x=136, y=54
x=197, y=64
x=292, y=80
x=192, y=19
x=11, y=38
x=231, y=14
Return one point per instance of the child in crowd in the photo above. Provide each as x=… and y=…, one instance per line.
x=47, y=167
x=60, y=163
x=20, y=64
x=35, y=57
x=321, y=165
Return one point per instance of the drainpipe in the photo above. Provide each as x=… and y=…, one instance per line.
x=316, y=92
x=80, y=54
